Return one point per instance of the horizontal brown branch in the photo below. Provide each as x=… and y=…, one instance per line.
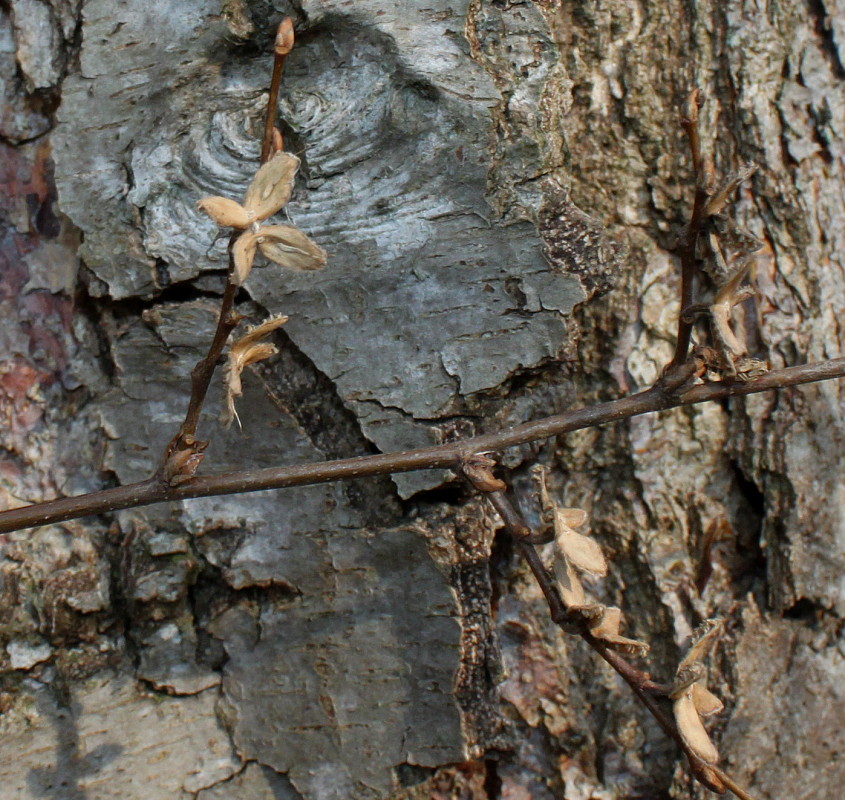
x=654, y=399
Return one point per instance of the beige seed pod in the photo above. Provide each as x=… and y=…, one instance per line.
x=572, y=517
x=568, y=583
x=706, y=703
x=692, y=728
x=290, y=248
x=272, y=186
x=226, y=213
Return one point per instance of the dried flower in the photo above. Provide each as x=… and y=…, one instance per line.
x=281, y=244
x=226, y=213
x=692, y=699
x=574, y=551
x=606, y=627
x=243, y=254
x=269, y=191
x=290, y=247
x=479, y=469
x=181, y=463
x=272, y=185
x=245, y=351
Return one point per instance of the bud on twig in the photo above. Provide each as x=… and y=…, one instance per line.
x=284, y=37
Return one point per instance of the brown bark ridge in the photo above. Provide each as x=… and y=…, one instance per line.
x=498, y=185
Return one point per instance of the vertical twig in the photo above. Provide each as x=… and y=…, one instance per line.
x=184, y=451
x=689, y=238
x=282, y=46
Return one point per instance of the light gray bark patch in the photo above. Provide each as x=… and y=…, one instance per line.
x=393, y=123
x=133, y=62
x=38, y=43
x=19, y=120
x=786, y=726
x=113, y=741
x=355, y=680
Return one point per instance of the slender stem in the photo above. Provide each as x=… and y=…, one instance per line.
x=731, y=784
x=227, y=320
x=687, y=244
x=446, y=455
x=202, y=373
x=640, y=682
x=284, y=43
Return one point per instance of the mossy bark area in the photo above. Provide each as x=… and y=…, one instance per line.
x=498, y=186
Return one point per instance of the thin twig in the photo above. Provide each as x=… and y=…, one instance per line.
x=689, y=238
x=438, y=457
x=639, y=681
x=185, y=440
x=281, y=48
x=203, y=371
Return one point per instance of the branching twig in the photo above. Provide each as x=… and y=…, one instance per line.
x=639, y=681
x=447, y=455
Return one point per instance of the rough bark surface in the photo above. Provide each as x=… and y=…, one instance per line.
x=498, y=185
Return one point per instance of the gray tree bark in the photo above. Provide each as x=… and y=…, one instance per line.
x=498, y=185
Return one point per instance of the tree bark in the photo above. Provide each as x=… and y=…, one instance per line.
x=499, y=186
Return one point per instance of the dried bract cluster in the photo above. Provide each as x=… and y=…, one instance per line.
x=269, y=191
x=249, y=349
x=691, y=698
x=725, y=253
x=575, y=553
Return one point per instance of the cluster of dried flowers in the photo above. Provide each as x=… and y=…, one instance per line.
x=691, y=698
x=576, y=554
x=284, y=245
x=269, y=191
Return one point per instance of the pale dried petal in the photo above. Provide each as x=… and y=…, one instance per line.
x=225, y=212
x=573, y=517
x=692, y=729
x=272, y=186
x=247, y=350
x=580, y=550
x=257, y=332
x=568, y=583
x=609, y=623
x=243, y=256
x=706, y=703
x=704, y=637
x=607, y=629
x=290, y=248
x=630, y=647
